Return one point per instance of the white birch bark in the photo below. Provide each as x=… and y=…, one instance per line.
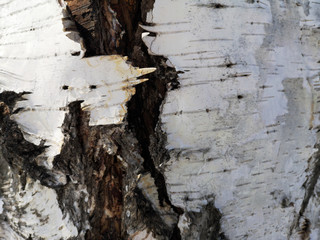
x=242, y=128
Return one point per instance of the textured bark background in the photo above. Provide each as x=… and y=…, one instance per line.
x=220, y=143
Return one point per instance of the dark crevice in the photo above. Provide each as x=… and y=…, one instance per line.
x=158, y=227
x=84, y=161
x=144, y=107
x=124, y=38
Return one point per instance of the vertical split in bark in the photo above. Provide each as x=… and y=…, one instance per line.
x=109, y=28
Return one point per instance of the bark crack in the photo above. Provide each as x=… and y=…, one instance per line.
x=144, y=112
x=114, y=28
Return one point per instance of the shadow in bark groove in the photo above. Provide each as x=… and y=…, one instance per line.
x=144, y=110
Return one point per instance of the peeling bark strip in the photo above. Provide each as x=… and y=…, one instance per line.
x=242, y=132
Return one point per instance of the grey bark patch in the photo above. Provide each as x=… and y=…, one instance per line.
x=306, y=6
x=298, y=99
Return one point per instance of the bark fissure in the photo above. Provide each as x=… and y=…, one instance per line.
x=143, y=110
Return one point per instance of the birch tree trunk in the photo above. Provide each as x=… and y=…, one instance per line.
x=159, y=119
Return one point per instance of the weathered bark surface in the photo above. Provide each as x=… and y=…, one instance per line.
x=220, y=143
